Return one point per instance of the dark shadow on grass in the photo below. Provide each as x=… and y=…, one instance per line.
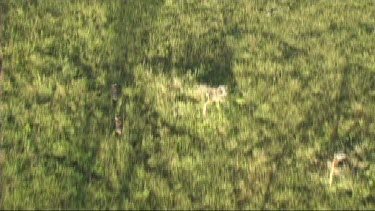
x=132, y=22
x=212, y=56
x=289, y=51
x=353, y=75
x=86, y=172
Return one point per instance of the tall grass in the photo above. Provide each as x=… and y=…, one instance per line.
x=301, y=76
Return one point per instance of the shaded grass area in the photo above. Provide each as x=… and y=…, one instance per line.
x=301, y=79
x=3, y=10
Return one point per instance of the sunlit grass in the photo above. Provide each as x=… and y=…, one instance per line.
x=301, y=81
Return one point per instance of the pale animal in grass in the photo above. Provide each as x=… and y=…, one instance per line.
x=118, y=125
x=212, y=95
x=177, y=84
x=334, y=166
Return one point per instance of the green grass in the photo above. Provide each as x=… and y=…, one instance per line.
x=302, y=87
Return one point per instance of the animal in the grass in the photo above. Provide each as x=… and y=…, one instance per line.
x=115, y=93
x=217, y=94
x=118, y=125
x=212, y=95
x=177, y=84
x=339, y=159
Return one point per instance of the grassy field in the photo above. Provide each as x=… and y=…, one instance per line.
x=301, y=78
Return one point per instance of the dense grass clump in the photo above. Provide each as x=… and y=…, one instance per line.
x=301, y=81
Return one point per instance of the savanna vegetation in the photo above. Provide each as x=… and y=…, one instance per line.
x=301, y=78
